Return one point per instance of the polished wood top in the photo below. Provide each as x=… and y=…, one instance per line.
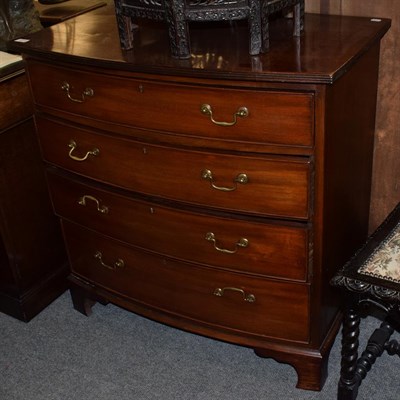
x=328, y=47
x=54, y=13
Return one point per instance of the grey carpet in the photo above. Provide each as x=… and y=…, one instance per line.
x=117, y=355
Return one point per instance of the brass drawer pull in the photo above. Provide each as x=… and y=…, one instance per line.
x=246, y=297
x=72, y=145
x=241, y=178
x=243, y=242
x=88, y=92
x=118, y=264
x=241, y=112
x=101, y=209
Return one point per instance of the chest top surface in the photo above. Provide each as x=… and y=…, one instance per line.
x=326, y=49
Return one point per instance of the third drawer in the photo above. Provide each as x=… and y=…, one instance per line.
x=273, y=249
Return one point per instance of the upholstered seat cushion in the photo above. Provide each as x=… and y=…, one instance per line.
x=384, y=262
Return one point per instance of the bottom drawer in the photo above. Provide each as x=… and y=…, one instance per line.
x=222, y=299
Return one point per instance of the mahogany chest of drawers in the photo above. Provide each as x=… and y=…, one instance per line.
x=217, y=194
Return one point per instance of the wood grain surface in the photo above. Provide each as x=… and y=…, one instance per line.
x=385, y=186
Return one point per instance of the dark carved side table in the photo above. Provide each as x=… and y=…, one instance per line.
x=178, y=13
x=372, y=283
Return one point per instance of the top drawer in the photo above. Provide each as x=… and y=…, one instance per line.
x=280, y=118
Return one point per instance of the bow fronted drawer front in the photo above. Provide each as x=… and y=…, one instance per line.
x=220, y=242
x=269, y=185
x=223, y=300
x=228, y=114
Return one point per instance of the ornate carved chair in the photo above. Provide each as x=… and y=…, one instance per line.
x=371, y=280
x=178, y=13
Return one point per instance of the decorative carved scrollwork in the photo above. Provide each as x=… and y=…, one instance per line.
x=177, y=14
x=361, y=287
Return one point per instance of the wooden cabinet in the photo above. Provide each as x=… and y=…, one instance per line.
x=33, y=262
x=215, y=196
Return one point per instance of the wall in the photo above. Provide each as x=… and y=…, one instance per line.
x=386, y=184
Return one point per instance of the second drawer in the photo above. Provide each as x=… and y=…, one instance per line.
x=267, y=185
